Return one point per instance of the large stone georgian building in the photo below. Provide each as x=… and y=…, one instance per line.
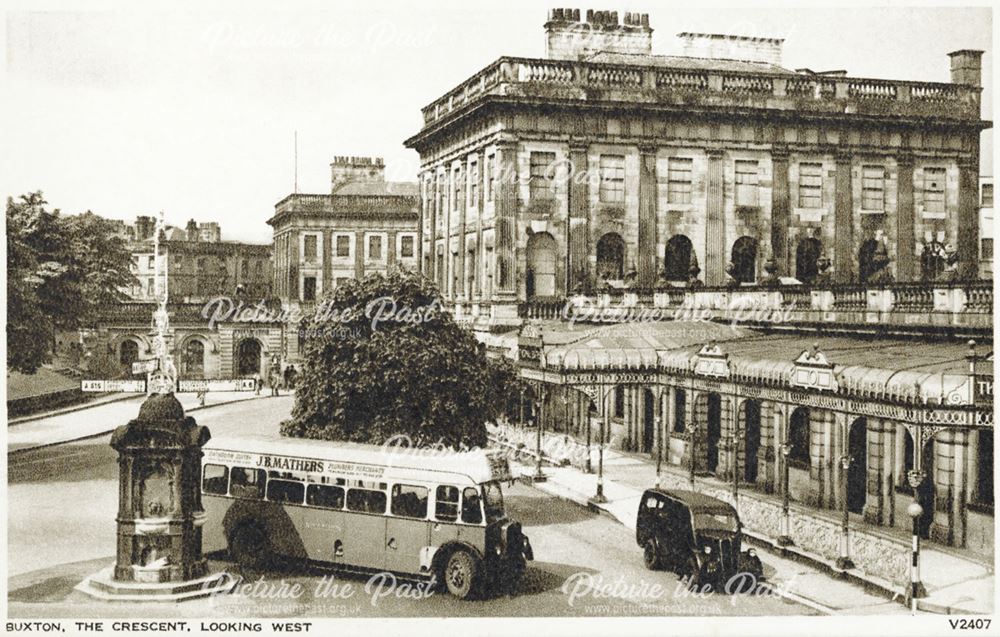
x=200, y=264
x=604, y=161
x=605, y=168
x=366, y=224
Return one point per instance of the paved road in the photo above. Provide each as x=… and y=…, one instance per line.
x=63, y=499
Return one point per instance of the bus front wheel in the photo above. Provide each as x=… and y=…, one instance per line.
x=250, y=548
x=460, y=573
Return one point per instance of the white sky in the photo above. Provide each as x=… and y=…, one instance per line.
x=193, y=111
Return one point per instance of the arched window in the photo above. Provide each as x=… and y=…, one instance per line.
x=128, y=353
x=194, y=358
x=619, y=402
x=806, y=259
x=866, y=260
x=680, y=405
x=541, y=271
x=610, y=257
x=744, y=259
x=798, y=437
x=677, y=258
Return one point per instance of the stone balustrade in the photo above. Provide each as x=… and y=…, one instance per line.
x=687, y=87
x=964, y=307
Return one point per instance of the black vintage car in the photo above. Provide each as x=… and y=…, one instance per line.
x=696, y=536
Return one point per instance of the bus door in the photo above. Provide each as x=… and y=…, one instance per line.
x=407, y=531
x=361, y=540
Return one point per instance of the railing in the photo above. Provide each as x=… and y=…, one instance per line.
x=904, y=307
x=920, y=98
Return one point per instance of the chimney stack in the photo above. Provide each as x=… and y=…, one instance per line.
x=144, y=226
x=192, y=230
x=967, y=67
x=567, y=38
x=345, y=170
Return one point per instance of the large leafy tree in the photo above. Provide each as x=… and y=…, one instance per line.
x=416, y=373
x=60, y=270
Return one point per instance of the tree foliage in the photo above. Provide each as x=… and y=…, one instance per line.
x=417, y=373
x=60, y=269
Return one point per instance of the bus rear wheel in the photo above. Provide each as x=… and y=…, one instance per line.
x=461, y=571
x=249, y=546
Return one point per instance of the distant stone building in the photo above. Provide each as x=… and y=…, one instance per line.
x=200, y=264
x=366, y=224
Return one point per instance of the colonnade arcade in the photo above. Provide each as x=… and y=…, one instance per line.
x=701, y=412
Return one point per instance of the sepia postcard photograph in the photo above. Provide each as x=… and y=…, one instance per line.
x=493, y=318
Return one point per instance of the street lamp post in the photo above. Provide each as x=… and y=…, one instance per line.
x=590, y=469
x=520, y=410
x=692, y=448
x=540, y=417
x=737, y=437
x=844, y=562
x=659, y=450
x=785, y=539
x=917, y=590
x=599, y=496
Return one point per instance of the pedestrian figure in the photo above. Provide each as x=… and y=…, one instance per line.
x=258, y=382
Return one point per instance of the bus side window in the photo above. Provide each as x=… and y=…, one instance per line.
x=472, y=510
x=285, y=491
x=216, y=479
x=409, y=501
x=247, y=483
x=366, y=501
x=321, y=495
x=446, y=507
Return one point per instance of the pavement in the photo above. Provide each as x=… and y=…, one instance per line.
x=956, y=583
x=102, y=416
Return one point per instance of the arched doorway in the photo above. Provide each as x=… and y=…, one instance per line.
x=744, y=260
x=866, y=260
x=984, y=466
x=751, y=420
x=806, y=259
x=248, y=357
x=857, y=472
x=798, y=438
x=648, y=421
x=193, y=359
x=610, y=257
x=128, y=353
x=713, y=432
x=677, y=258
x=541, y=271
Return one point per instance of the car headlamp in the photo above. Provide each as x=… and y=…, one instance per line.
x=708, y=550
x=752, y=552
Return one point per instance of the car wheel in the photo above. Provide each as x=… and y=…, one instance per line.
x=460, y=574
x=250, y=548
x=651, y=555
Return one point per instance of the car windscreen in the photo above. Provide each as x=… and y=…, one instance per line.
x=715, y=521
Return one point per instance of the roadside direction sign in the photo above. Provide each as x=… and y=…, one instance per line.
x=108, y=386
x=142, y=367
x=237, y=384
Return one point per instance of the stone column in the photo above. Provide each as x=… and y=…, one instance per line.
x=447, y=287
x=715, y=223
x=432, y=246
x=421, y=216
x=765, y=453
x=780, y=209
x=506, y=221
x=646, y=262
x=669, y=421
x=968, y=216
x=843, y=215
x=579, y=216
x=390, y=249
x=359, y=254
x=949, y=486
x=906, y=265
x=480, y=208
x=878, y=440
x=326, y=250
x=461, y=196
